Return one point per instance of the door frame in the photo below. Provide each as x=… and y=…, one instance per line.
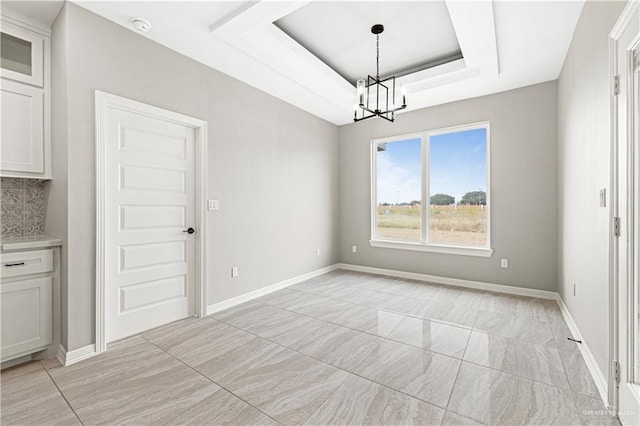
x=104, y=101
x=622, y=23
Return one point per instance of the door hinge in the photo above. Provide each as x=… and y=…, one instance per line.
x=616, y=85
x=616, y=226
x=616, y=371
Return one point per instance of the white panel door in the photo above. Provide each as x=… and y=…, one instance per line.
x=150, y=261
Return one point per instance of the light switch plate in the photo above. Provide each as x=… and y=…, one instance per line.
x=213, y=205
x=603, y=197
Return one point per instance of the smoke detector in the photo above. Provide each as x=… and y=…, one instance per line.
x=141, y=25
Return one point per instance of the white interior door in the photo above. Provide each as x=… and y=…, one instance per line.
x=628, y=209
x=149, y=203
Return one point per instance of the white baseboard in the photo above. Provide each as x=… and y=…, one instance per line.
x=68, y=358
x=229, y=303
x=476, y=285
x=597, y=375
x=61, y=355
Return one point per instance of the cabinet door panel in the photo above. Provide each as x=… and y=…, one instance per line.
x=26, y=316
x=22, y=118
x=22, y=55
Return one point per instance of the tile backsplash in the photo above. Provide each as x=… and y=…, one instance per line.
x=23, y=204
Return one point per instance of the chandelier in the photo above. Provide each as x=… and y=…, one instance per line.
x=377, y=97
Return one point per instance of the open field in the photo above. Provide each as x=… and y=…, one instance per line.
x=461, y=225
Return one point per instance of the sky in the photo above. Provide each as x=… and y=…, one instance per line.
x=457, y=165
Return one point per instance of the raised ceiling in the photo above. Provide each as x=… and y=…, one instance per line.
x=504, y=44
x=417, y=35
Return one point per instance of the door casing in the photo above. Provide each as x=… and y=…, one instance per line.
x=104, y=101
x=620, y=151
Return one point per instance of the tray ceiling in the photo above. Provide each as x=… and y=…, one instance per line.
x=504, y=44
x=417, y=35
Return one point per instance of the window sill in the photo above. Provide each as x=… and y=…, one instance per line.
x=433, y=248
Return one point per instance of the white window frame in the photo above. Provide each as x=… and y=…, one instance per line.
x=424, y=245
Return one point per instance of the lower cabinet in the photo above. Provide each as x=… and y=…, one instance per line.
x=25, y=313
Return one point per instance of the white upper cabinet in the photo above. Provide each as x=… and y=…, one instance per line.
x=24, y=98
x=21, y=54
x=22, y=128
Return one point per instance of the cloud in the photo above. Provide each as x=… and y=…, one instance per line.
x=393, y=178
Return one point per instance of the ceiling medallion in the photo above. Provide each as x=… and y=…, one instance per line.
x=377, y=97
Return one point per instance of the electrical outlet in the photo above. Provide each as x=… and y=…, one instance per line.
x=504, y=263
x=318, y=252
x=214, y=205
x=354, y=249
x=234, y=272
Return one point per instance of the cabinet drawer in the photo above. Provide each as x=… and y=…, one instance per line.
x=26, y=308
x=25, y=263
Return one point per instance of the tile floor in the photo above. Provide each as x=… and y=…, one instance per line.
x=342, y=348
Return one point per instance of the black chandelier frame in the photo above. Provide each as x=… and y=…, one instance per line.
x=385, y=85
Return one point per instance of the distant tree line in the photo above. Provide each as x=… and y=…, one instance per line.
x=412, y=203
x=471, y=198
x=474, y=198
x=442, y=200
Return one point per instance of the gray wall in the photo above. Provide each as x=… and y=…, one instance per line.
x=273, y=167
x=523, y=189
x=583, y=168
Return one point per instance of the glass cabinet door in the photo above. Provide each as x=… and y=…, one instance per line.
x=21, y=54
x=15, y=54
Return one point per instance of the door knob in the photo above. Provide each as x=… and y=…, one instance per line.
x=190, y=231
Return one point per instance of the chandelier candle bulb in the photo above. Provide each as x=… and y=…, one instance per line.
x=400, y=94
x=360, y=87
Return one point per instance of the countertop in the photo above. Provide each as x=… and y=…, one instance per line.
x=25, y=243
